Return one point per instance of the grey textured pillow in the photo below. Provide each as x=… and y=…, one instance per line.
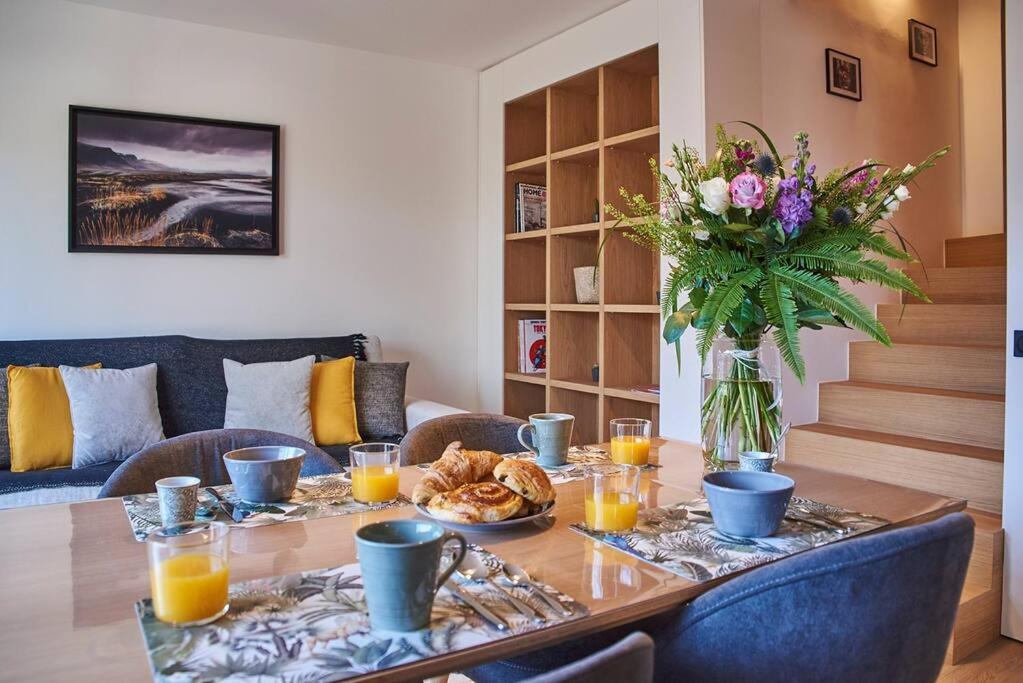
x=270, y=396
x=114, y=413
x=380, y=399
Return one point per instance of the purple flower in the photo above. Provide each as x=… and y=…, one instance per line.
x=747, y=191
x=743, y=155
x=794, y=206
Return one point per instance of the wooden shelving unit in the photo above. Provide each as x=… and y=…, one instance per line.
x=583, y=138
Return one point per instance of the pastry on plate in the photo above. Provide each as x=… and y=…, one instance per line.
x=476, y=503
x=526, y=479
x=457, y=466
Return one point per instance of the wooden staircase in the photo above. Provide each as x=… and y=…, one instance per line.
x=929, y=413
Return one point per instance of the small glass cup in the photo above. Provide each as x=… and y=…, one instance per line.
x=375, y=472
x=612, y=497
x=188, y=572
x=630, y=440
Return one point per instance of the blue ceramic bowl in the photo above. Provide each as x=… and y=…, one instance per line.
x=747, y=504
x=264, y=474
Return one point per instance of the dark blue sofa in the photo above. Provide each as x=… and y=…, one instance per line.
x=190, y=387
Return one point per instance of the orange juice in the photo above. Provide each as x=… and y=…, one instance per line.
x=189, y=588
x=630, y=450
x=375, y=483
x=611, y=511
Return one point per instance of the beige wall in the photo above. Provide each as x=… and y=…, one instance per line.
x=980, y=69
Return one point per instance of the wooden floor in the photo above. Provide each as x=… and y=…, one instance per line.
x=1001, y=661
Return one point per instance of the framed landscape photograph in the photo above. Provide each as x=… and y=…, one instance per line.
x=141, y=182
x=923, y=42
x=843, y=74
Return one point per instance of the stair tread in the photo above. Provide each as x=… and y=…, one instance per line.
x=988, y=522
x=943, y=345
x=909, y=389
x=949, y=447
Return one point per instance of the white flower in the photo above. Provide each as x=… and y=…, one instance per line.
x=861, y=208
x=909, y=169
x=887, y=215
x=902, y=193
x=699, y=232
x=715, y=196
x=685, y=198
x=670, y=163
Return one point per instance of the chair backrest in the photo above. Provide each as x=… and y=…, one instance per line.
x=876, y=608
x=630, y=659
x=478, y=431
x=200, y=454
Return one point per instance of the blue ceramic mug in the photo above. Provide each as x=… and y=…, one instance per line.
x=550, y=437
x=400, y=560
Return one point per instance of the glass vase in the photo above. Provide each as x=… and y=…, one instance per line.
x=741, y=400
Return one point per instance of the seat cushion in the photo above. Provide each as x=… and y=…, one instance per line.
x=13, y=482
x=340, y=453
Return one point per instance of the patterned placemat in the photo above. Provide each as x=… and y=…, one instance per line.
x=682, y=538
x=325, y=495
x=314, y=626
x=579, y=457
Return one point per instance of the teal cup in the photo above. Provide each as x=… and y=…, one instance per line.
x=400, y=561
x=550, y=437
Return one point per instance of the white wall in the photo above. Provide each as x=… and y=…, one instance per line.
x=1012, y=501
x=379, y=189
x=676, y=25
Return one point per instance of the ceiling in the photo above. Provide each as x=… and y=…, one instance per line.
x=468, y=33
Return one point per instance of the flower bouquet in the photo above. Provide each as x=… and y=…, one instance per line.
x=758, y=244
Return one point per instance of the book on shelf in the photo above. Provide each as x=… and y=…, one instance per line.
x=530, y=207
x=653, y=389
x=532, y=346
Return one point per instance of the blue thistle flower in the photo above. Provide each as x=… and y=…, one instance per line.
x=764, y=164
x=841, y=216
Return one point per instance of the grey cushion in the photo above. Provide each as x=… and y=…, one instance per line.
x=114, y=413
x=380, y=399
x=270, y=396
x=478, y=431
x=340, y=452
x=16, y=482
x=200, y=454
x=630, y=659
x=190, y=382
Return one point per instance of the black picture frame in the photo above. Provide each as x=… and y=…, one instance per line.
x=918, y=27
x=833, y=80
x=272, y=184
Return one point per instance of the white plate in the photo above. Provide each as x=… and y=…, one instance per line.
x=488, y=526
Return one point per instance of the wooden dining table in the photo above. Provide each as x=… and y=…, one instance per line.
x=72, y=572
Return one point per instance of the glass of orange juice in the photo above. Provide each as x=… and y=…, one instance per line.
x=188, y=572
x=374, y=472
x=612, y=497
x=630, y=440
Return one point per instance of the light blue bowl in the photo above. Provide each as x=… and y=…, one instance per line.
x=748, y=504
x=264, y=474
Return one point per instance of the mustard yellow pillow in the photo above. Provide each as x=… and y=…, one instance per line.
x=38, y=418
x=332, y=402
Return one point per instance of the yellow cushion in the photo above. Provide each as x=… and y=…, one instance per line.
x=332, y=402
x=38, y=418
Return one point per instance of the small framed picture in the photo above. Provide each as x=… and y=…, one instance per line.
x=923, y=43
x=843, y=74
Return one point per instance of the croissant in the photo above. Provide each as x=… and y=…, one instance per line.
x=476, y=503
x=455, y=467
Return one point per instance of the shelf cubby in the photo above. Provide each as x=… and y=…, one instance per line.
x=615, y=407
x=573, y=340
x=631, y=272
x=511, y=338
x=631, y=350
x=536, y=175
x=573, y=195
x=586, y=409
x=522, y=399
x=631, y=93
x=568, y=252
x=575, y=111
x=628, y=167
x=525, y=128
x=525, y=272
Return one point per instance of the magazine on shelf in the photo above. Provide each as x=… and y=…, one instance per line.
x=530, y=207
x=532, y=346
x=653, y=389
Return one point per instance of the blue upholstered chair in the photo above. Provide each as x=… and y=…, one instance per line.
x=630, y=659
x=200, y=454
x=875, y=608
x=478, y=431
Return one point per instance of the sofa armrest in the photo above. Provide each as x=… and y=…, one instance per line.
x=418, y=410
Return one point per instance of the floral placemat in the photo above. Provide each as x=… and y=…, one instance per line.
x=314, y=626
x=682, y=538
x=325, y=495
x=579, y=457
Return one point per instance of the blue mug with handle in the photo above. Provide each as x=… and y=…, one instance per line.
x=400, y=560
x=550, y=437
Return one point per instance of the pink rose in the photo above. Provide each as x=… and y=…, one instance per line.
x=747, y=191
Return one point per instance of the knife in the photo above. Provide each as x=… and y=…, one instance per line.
x=232, y=512
x=478, y=607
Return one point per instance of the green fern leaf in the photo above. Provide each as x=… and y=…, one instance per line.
x=722, y=303
x=781, y=312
